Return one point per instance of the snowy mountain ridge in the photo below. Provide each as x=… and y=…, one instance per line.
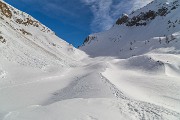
x=20, y=31
x=158, y=20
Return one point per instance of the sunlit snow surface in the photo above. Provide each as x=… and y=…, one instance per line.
x=44, y=78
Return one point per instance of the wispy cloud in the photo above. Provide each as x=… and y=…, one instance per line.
x=101, y=11
x=52, y=7
x=107, y=11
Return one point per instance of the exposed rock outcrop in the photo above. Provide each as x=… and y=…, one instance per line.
x=5, y=10
x=142, y=18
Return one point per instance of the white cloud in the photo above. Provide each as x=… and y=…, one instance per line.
x=101, y=11
x=106, y=12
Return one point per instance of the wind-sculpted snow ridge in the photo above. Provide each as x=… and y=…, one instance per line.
x=89, y=96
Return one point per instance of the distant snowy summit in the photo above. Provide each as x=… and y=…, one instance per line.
x=143, y=16
x=154, y=26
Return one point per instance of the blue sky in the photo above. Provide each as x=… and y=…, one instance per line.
x=73, y=20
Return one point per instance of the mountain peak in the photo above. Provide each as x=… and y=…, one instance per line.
x=157, y=19
x=148, y=13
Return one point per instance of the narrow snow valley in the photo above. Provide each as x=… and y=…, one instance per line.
x=130, y=72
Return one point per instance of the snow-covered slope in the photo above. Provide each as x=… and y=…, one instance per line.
x=154, y=26
x=146, y=44
x=134, y=75
x=26, y=41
